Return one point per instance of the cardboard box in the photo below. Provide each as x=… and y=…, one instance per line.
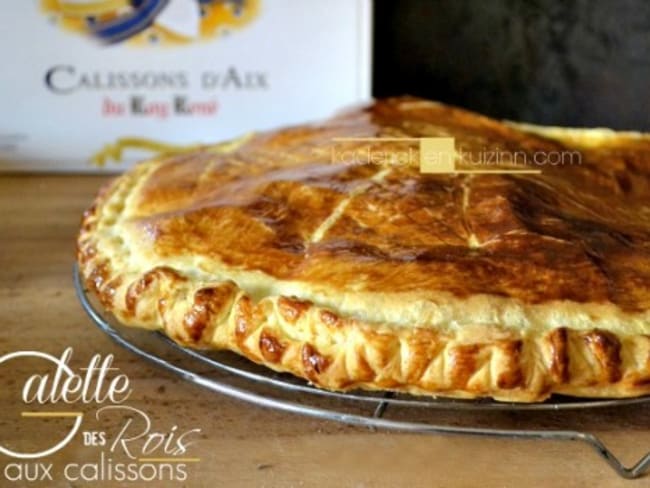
x=97, y=80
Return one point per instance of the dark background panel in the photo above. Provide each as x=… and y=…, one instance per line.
x=577, y=63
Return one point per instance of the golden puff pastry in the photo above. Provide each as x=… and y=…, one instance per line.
x=376, y=276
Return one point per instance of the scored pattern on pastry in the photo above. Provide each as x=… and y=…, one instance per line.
x=379, y=277
x=336, y=214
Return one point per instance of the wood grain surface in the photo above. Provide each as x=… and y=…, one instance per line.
x=241, y=444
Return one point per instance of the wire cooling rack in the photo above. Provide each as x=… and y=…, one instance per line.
x=228, y=374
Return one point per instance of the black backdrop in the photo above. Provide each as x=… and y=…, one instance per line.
x=573, y=62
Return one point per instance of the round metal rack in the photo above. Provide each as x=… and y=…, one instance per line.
x=228, y=374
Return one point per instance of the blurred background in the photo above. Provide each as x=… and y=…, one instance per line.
x=575, y=63
x=553, y=62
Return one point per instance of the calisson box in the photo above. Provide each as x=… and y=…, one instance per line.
x=89, y=85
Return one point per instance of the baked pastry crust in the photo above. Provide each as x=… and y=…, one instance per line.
x=371, y=276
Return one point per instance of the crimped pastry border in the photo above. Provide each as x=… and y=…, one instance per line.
x=336, y=352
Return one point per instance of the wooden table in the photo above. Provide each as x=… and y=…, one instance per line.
x=241, y=444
